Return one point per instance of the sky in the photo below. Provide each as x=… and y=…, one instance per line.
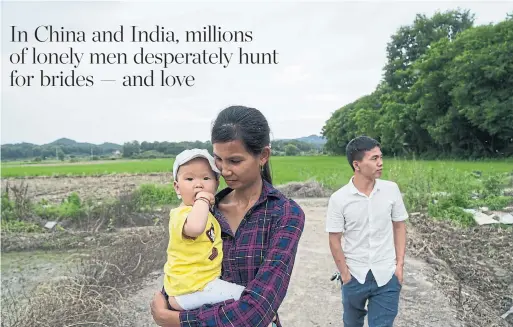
x=328, y=55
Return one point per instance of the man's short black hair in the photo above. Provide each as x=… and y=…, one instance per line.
x=356, y=148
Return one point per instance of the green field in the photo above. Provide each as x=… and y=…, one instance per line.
x=330, y=170
x=443, y=188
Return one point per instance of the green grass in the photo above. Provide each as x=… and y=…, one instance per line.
x=28, y=162
x=464, y=184
x=331, y=170
x=102, y=168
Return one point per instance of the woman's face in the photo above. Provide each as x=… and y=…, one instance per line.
x=239, y=167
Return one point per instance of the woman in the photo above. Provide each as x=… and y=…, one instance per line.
x=261, y=228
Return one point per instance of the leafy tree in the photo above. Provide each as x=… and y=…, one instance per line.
x=60, y=154
x=463, y=93
x=291, y=150
x=411, y=42
x=446, y=91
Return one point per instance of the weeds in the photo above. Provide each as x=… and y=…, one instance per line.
x=444, y=193
x=17, y=226
x=15, y=202
x=19, y=214
x=151, y=195
x=91, y=296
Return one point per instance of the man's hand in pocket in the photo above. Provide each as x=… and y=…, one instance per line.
x=346, y=278
x=399, y=273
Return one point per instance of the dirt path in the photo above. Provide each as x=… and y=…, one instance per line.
x=313, y=300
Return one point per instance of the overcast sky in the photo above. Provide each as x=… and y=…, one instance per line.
x=329, y=55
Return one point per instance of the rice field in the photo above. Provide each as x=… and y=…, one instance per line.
x=329, y=170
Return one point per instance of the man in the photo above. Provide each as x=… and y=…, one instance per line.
x=370, y=215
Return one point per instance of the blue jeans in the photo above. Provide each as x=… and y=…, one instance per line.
x=383, y=302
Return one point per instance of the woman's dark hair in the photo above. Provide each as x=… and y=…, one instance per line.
x=247, y=125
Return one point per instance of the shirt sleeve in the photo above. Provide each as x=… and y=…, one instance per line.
x=177, y=218
x=399, y=212
x=334, y=217
x=263, y=295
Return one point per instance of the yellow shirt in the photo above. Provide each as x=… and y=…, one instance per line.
x=191, y=263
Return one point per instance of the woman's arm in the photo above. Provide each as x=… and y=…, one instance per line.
x=264, y=294
x=161, y=314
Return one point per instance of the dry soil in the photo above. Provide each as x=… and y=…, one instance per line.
x=314, y=300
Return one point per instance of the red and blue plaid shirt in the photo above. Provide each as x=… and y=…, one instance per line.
x=259, y=256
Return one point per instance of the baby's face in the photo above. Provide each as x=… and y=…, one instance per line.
x=193, y=177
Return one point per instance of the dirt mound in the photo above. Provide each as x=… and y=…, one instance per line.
x=309, y=189
x=474, y=266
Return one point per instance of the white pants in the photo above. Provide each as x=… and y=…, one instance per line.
x=214, y=292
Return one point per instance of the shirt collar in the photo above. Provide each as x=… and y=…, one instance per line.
x=354, y=190
x=268, y=191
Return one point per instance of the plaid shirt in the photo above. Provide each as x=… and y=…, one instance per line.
x=259, y=256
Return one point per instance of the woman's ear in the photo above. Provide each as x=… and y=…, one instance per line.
x=265, y=155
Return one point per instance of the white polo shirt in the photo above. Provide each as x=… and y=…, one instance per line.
x=366, y=224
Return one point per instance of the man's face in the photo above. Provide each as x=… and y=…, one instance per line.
x=371, y=166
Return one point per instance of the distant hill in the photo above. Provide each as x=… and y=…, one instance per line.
x=313, y=139
x=108, y=145
x=63, y=141
x=68, y=142
x=64, y=146
x=71, y=148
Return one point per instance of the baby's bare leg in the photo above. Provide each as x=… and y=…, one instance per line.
x=174, y=304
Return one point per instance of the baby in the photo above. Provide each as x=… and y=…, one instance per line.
x=195, y=249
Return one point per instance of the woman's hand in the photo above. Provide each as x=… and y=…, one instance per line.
x=161, y=314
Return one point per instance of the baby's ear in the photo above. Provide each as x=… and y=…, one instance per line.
x=177, y=189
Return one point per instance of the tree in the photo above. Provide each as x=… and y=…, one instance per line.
x=60, y=154
x=464, y=90
x=403, y=128
x=446, y=91
x=130, y=149
x=291, y=150
x=357, y=118
x=411, y=42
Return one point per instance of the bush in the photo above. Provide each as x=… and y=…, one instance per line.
x=448, y=210
x=8, y=213
x=493, y=202
x=493, y=185
x=150, y=195
x=70, y=208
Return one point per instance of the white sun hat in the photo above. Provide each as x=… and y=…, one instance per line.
x=187, y=155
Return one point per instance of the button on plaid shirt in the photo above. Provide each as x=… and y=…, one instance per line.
x=259, y=256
